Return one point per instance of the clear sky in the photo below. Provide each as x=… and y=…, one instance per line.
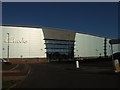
x=89, y=17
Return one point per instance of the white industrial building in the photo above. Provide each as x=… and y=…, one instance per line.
x=41, y=44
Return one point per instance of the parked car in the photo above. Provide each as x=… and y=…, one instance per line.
x=116, y=56
x=2, y=60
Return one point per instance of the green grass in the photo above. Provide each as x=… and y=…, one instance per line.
x=8, y=83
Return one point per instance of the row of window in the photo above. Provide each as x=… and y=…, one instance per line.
x=58, y=50
x=59, y=46
x=64, y=53
x=59, y=42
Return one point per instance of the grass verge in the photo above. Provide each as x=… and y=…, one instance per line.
x=8, y=83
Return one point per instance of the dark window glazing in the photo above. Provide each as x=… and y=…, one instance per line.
x=59, y=49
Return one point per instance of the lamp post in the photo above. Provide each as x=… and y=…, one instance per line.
x=8, y=47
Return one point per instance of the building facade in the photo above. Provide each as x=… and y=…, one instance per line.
x=43, y=44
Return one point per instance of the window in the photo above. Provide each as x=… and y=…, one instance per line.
x=59, y=47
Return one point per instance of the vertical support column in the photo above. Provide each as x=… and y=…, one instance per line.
x=105, y=49
x=8, y=48
x=112, y=51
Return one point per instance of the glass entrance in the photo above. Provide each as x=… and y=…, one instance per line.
x=59, y=50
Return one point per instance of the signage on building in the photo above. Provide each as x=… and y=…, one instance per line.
x=14, y=40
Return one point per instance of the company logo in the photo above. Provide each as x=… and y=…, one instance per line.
x=14, y=40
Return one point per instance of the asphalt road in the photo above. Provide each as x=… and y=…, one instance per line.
x=64, y=75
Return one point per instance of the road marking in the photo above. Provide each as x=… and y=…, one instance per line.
x=14, y=67
x=23, y=79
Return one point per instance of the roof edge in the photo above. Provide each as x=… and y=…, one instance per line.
x=29, y=26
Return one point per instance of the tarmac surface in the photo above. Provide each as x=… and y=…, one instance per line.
x=65, y=75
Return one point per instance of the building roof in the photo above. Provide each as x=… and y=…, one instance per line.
x=50, y=28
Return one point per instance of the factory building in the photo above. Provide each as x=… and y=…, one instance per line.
x=44, y=44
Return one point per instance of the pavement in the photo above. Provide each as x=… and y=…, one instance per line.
x=65, y=75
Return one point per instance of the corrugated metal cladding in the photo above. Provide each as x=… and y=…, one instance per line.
x=53, y=33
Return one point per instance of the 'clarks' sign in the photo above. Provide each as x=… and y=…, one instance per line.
x=14, y=40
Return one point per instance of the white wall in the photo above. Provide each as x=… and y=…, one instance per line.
x=116, y=48
x=24, y=41
x=0, y=42
x=88, y=45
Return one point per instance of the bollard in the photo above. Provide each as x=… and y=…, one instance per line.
x=77, y=64
x=117, y=67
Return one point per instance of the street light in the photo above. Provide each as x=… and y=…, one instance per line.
x=8, y=47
